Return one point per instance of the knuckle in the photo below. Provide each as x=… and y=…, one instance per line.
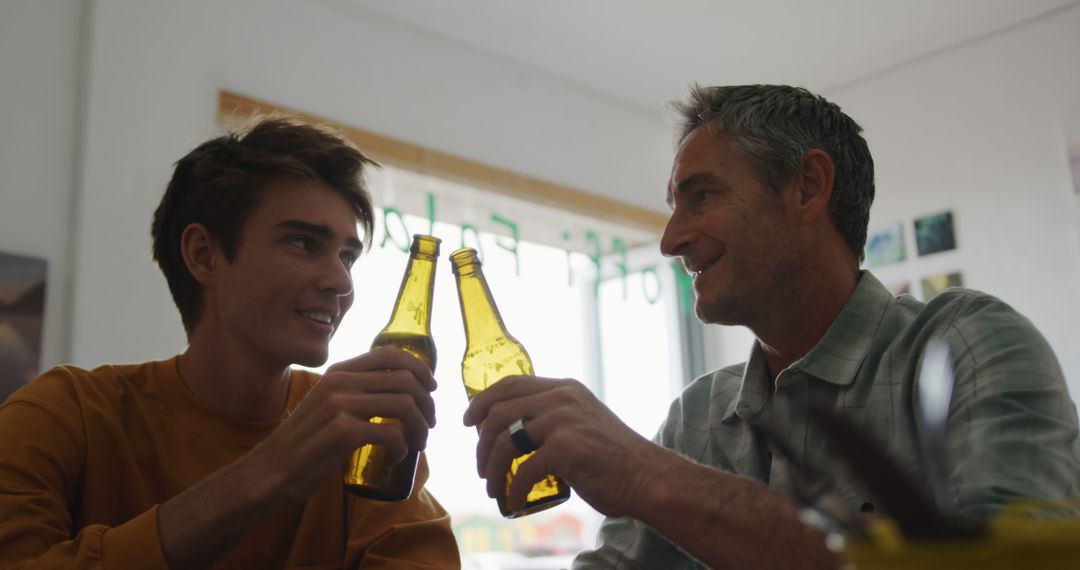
x=333, y=381
x=403, y=400
x=557, y=439
x=342, y=422
x=497, y=410
x=335, y=402
x=567, y=414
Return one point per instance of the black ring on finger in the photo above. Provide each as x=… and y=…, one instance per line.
x=520, y=438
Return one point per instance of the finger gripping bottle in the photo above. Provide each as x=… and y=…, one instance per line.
x=492, y=354
x=367, y=473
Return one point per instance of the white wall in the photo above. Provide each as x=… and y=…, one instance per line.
x=155, y=70
x=39, y=71
x=976, y=130
x=979, y=131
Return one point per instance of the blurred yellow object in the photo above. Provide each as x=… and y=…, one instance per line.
x=1025, y=535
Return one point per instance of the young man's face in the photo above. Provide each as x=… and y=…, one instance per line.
x=289, y=284
x=730, y=230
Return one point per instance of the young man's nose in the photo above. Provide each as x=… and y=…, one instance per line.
x=336, y=277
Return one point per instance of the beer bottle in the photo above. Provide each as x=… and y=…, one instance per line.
x=367, y=473
x=491, y=354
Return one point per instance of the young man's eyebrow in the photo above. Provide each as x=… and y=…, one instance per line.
x=320, y=230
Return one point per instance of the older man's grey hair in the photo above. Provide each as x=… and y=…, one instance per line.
x=774, y=126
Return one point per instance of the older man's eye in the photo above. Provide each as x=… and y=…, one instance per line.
x=698, y=196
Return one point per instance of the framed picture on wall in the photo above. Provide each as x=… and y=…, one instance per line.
x=1074, y=166
x=933, y=285
x=22, y=318
x=885, y=246
x=1072, y=144
x=934, y=234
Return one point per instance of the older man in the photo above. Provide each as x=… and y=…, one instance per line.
x=770, y=196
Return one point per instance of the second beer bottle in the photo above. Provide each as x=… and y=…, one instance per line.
x=368, y=473
x=491, y=354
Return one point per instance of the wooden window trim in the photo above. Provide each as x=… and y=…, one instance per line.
x=235, y=109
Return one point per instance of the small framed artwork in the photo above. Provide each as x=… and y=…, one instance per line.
x=885, y=246
x=22, y=317
x=933, y=285
x=934, y=234
x=1074, y=166
x=1072, y=143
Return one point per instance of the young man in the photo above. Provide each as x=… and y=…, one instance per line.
x=770, y=195
x=224, y=456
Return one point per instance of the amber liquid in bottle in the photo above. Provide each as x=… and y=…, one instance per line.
x=492, y=354
x=368, y=474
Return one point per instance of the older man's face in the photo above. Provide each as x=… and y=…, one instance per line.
x=729, y=229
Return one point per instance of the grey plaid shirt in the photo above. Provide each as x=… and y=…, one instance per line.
x=1012, y=427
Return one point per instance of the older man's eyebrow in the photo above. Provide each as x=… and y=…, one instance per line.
x=693, y=181
x=321, y=231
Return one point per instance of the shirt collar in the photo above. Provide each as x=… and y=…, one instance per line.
x=839, y=354
x=836, y=358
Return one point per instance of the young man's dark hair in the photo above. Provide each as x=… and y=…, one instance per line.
x=221, y=182
x=225, y=455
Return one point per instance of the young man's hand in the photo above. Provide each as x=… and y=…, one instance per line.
x=334, y=419
x=200, y=524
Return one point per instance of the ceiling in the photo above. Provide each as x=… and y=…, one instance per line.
x=645, y=52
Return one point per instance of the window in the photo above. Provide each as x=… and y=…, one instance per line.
x=578, y=289
x=574, y=320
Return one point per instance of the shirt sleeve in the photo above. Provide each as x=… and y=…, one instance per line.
x=625, y=543
x=628, y=544
x=411, y=535
x=40, y=458
x=1012, y=431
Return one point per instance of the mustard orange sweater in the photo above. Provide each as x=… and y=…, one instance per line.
x=87, y=456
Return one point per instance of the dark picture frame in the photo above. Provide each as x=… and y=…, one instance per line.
x=22, y=319
x=935, y=234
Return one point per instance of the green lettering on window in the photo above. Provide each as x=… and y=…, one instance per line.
x=686, y=284
x=590, y=236
x=431, y=213
x=646, y=273
x=569, y=264
x=388, y=235
x=512, y=247
x=619, y=246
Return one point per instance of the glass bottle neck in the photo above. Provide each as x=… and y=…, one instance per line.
x=412, y=310
x=478, y=310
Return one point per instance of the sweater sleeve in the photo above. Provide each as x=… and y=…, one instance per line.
x=411, y=535
x=41, y=455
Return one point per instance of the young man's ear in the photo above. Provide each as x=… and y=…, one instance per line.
x=200, y=253
x=816, y=178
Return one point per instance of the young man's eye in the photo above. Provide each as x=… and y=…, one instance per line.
x=349, y=259
x=303, y=242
